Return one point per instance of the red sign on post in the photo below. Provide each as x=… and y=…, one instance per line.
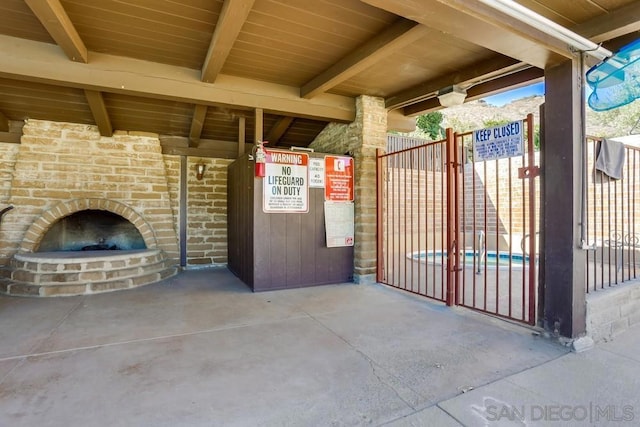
x=338, y=185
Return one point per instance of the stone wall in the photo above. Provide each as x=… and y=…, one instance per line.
x=361, y=139
x=172, y=172
x=613, y=310
x=60, y=162
x=8, y=155
x=334, y=139
x=56, y=163
x=207, y=212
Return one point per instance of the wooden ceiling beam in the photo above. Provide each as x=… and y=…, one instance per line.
x=400, y=34
x=460, y=18
x=11, y=132
x=99, y=111
x=278, y=129
x=616, y=23
x=180, y=145
x=40, y=62
x=197, y=123
x=397, y=121
x=232, y=17
x=56, y=21
x=483, y=70
x=509, y=82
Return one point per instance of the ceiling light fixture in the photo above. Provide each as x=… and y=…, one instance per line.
x=452, y=96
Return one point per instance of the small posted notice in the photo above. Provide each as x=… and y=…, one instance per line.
x=339, y=220
x=498, y=142
x=338, y=172
x=285, y=185
x=316, y=173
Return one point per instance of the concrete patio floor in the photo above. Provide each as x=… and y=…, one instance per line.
x=200, y=349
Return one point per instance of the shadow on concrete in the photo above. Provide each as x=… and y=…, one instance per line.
x=202, y=349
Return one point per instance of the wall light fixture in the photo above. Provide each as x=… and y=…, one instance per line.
x=200, y=167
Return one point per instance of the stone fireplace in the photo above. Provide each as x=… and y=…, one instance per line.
x=89, y=230
x=91, y=213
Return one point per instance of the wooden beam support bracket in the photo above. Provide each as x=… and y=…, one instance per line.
x=99, y=111
x=197, y=124
x=278, y=129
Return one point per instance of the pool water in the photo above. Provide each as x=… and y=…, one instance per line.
x=492, y=258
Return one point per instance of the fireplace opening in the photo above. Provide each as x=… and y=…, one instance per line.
x=91, y=230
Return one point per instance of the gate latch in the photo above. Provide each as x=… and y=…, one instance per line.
x=528, y=172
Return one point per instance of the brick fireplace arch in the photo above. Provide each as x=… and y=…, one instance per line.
x=39, y=227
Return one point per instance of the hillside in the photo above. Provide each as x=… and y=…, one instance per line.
x=473, y=115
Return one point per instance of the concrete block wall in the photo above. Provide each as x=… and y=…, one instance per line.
x=613, y=310
x=361, y=139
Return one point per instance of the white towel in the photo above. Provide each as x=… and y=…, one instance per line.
x=610, y=158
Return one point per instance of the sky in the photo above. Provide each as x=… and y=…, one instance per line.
x=506, y=97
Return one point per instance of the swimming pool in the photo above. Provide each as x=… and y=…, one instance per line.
x=492, y=258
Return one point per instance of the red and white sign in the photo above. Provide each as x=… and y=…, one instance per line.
x=285, y=185
x=338, y=173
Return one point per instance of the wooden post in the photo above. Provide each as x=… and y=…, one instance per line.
x=565, y=260
x=242, y=126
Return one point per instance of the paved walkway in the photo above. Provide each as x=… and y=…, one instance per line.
x=200, y=349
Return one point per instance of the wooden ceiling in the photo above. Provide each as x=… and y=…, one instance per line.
x=198, y=71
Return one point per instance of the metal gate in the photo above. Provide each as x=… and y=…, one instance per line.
x=460, y=231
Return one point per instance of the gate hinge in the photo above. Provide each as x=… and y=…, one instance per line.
x=528, y=172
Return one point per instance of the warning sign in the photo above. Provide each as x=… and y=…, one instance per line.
x=285, y=186
x=338, y=173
